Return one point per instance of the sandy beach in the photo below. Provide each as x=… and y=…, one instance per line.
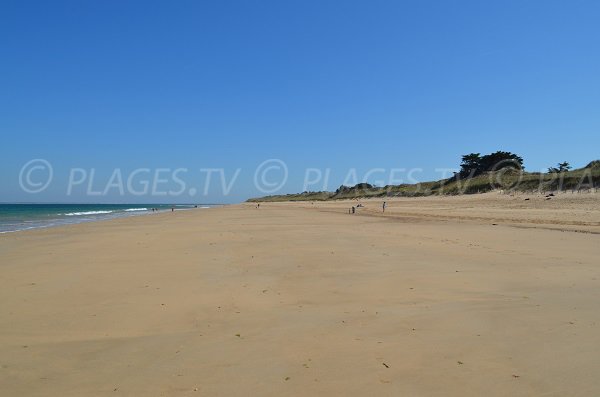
x=444, y=296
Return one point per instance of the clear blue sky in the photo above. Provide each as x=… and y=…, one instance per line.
x=344, y=84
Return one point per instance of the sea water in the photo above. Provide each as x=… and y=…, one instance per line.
x=15, y=217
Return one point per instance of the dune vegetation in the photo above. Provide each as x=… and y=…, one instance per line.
x=502, y=171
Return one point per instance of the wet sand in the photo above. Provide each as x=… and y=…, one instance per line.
x=465, y=296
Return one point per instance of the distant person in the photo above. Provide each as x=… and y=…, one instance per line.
x=353, y=210
x=383, y=206
x=258, y=205
x=172, y=209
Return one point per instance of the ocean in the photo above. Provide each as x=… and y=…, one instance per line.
x=15, y=217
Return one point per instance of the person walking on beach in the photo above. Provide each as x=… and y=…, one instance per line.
x=383, y=206
x=353, y=210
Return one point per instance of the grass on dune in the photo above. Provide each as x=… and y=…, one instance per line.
x=509, y=180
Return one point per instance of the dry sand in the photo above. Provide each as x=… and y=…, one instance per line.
x=431, y=299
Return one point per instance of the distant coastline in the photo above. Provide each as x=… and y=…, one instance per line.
x=509, y=180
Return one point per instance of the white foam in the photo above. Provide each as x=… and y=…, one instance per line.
x=87, y=213
x=136, y=209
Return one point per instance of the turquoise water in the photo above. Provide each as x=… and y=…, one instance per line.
x=15, y=217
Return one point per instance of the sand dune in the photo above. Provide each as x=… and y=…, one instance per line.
x=431, y=299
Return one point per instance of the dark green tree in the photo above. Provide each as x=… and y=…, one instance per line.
x=561, y=167
x=564, y=166
x=470, y=164
x=474, y=164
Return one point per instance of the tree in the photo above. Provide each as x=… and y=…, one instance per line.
x=474, y=164
x=499, y=160
x=470, y=164
x=562, y=167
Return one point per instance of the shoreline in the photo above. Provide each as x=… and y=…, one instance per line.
x=109, y=215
